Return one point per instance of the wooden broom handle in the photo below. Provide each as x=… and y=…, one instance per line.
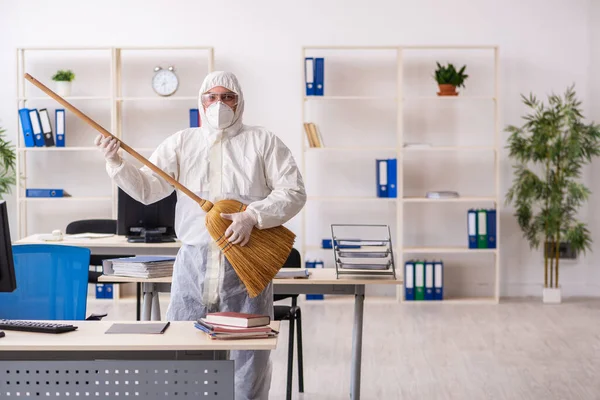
x=124, y=146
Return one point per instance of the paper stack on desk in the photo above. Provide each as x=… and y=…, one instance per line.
x=140, y=266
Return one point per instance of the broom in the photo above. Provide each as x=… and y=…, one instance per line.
x=258, y=261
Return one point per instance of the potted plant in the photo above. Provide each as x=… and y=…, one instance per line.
x=7, y=164
x=549, y=151
x=63, y=79
x=448, y=79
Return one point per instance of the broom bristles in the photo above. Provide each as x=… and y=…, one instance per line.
x=256, y=263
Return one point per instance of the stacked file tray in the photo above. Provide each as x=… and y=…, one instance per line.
x=363, y=250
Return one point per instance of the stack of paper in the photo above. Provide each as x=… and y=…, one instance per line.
x=143, y=266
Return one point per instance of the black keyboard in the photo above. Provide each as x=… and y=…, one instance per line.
x=35, y=326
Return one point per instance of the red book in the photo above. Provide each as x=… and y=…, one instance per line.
x=238, y=319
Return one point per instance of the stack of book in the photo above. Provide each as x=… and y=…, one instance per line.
x=232, y=325
x=140, y=266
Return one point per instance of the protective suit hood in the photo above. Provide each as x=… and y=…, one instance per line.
x=227, y=80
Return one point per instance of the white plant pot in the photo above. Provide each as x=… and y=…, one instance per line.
x=551, y=295
x=63, y=88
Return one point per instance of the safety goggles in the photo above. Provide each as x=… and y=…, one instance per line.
x=231, y=99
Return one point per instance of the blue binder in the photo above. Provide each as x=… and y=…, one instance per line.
x=59, y=122
x=319, y=76
x=26, y=127
x=108, y=290
x=194, y=118
x=491, y=229
x=429, y=295
x=438, y=284
x=472, y=228
x=99, y=290
x=44, y=193
x=36, y=125
x=409, y=281
x=392, y=180
x=309, y=75
x=382, y=174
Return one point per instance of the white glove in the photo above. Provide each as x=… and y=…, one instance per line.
x=241, y=227
x=110, y=147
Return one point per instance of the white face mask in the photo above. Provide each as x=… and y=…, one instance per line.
x=220, y=115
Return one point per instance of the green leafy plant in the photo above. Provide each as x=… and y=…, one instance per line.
x=449, y=75
x=7, y=164
x=63, y=75
x=549, y=151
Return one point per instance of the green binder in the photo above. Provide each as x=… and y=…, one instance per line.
x=482, y=229
x=419, y=280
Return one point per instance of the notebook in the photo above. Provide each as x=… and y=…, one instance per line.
x=153, y=328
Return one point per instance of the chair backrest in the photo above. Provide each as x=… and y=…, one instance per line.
x=51, y=283
x=92, y=225
x=294, y=260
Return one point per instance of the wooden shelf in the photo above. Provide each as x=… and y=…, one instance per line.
x=349, y=198
x=466, y=250
x=367, y=148
x=157, y=98
x=306, y=98
x=459, y=300
x=450, y=148
x=449, y=98
x=70, y=98
x=69, y=199
x=59, y=149
x=110, y=97
x=465, y=199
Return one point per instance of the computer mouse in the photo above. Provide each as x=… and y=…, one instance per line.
x=2, y=334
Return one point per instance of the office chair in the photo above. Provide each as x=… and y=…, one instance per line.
x=100, y=226
x=51, y=283
x=293, y=314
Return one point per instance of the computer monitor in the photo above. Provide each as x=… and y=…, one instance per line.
x=8, y=283
x=146, y=223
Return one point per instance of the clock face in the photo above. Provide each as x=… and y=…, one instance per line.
x=165, y=82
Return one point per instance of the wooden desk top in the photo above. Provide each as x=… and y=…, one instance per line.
x=109, y=242
x=90, y=336
x=319, y=276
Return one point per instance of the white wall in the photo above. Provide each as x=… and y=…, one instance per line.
x=545, y=46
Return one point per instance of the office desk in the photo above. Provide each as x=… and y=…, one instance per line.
x=116, y=244
x=321, y=281
x=183, y=363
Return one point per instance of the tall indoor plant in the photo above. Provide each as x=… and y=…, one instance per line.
x=7, y=164
x=549, y=151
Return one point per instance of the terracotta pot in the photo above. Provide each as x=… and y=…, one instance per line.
x=447, y=90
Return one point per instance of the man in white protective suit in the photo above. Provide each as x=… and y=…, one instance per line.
x=223, y=159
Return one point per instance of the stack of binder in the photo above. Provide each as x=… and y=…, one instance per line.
x=37, y=129
x=314, y=74
x=423, y=280
x=481, y=228
x=140, y=266
x=387, y=179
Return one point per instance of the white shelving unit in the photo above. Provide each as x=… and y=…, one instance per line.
x=401, y=99
x=112, y=59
